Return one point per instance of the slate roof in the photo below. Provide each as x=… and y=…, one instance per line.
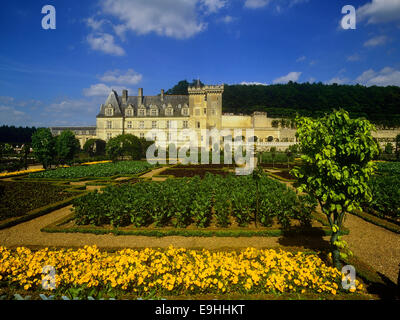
x=174, y=101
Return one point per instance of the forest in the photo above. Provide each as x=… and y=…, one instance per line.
x=380, y=105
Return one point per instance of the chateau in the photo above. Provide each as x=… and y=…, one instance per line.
x=200, y=109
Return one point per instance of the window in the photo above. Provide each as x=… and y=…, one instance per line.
x=205, y=110
x=129, y=125
x=197, y=112
x=168, y=124
x=109, y=135
x=198, y=124
x=141, y=135
x=109, y=112
x=141, y=124
x=129, y=112
x=185, y=111
x=154, y=124
x=169, y=112
x=154, y=112
x=109, y=124
x=142, y=112
x=185, y=124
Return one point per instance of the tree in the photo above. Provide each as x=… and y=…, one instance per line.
x=24, y=153
x=388, y=148
x=398, y=147
x=124, y=145
x=273, y=155
x=95, y=147
x=43, y=145
x=337, y=164
x=66, y=146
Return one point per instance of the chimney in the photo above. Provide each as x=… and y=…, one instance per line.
x=124, y=96
x=162, y=94
x=140, y=96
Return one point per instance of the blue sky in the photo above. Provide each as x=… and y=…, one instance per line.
x=61, y=76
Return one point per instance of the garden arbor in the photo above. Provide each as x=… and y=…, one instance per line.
x=337, y=164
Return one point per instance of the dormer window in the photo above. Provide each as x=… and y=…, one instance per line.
x=185, y=111
x=142, y=112
x=169, y=112
x=129, y=112
x=154, y=112
x=109, y=111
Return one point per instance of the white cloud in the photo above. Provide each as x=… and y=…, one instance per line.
x=353, y=58
x=376, y=41
x=130, y=77
x=291, y=76
x=385, y=77
x=338, y=80
x=253, y=83
x=255, y=4
x=172, y=18
x=300, y=59
x=380, y=11
x=227, y=19
x=212, y=6
x=95, y=25
x=105, y=42
x=101, y=90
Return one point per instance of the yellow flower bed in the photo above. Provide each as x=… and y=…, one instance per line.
x=14, y=173
x=95, y=162
x=173, y=271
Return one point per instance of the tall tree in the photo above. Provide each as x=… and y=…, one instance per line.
x=337, y=164
x=43, y=145
x=67, y=146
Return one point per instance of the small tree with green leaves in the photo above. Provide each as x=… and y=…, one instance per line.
x=67, y=146
x=43, y=145
x=273, y=155
x=95, y=147
x=124, y=145
x=337, y=164
x=389, y=148
x=397, y=150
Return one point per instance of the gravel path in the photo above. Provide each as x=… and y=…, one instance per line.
x=377, y=246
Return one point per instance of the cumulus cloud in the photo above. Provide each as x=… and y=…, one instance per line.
x=130, y=77
x=245, y=83
x=338, y=80
x=101, y=90
x=280, y=4
x=104, y=42
x=212, y=6
x=376, y=41
x=380, y=11
x=291, y=76
x=172, y=18
x=385, y=77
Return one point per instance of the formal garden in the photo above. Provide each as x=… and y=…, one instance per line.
x=297, y=200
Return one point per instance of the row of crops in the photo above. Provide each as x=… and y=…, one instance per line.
x=186, y=201
x=97, y=170
x=18, y=198
x=385, y=186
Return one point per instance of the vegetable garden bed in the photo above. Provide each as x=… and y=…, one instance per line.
x=95, y=171
x=22, y=201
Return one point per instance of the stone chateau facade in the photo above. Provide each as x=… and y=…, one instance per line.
x=200, y=109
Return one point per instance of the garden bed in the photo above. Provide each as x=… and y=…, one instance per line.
x=192, y=172
x=173, y=272
x=95, y=171
x=22, y=201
